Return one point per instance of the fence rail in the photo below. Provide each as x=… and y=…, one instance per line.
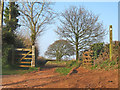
x=22, y=49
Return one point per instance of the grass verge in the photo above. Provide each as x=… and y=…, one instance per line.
x=57, y=62
x=67, y=69
x=8, y=70
x=106, y=65
x=63, y=70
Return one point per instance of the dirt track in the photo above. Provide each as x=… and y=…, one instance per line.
x=49, y=79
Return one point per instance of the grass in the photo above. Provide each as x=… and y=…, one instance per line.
x=57, y=62
x=94, y=67
x=63, y=70
x=8, y=70
x=107, y=65
x=67, y=69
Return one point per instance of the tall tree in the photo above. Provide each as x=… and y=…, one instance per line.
x=36, y=16
x=11, y=23
x=60, y=49
x=81, y=28
x=11, y=14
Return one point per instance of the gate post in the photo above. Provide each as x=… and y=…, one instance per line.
x=110, y=31
x=33, y=56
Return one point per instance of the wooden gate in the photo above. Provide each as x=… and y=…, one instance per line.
x=23, y=56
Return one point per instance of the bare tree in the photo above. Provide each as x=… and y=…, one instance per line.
x=24, y=39
x=81, y=28
x=60, y=49
x=36, y=16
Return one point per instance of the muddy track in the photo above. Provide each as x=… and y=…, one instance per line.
x=52, y=82
x=49, y=79
x=28, y=80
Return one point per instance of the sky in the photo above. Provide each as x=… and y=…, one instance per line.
x=107, y=12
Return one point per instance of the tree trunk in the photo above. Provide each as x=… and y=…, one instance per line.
x=10, y=9
x=2, y=8
x=57, y=56
x=1, y=13
x=1, y=24
x=10, y=12
x=77, y=53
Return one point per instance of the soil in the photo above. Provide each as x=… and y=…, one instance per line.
x=48, y=78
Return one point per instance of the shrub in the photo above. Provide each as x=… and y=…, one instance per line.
x=40, y=62
x=96, y=48
x=107, y=64
x=94, y=67
x=70, y=63
x=117, y=59
x=118, y=66
x=112, y=63
x=8, y=37
x=6, y=55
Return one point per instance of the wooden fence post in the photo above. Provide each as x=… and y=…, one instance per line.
x=33, y=56
x=110, y=42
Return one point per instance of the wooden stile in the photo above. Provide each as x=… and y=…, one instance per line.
x=87, y=59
